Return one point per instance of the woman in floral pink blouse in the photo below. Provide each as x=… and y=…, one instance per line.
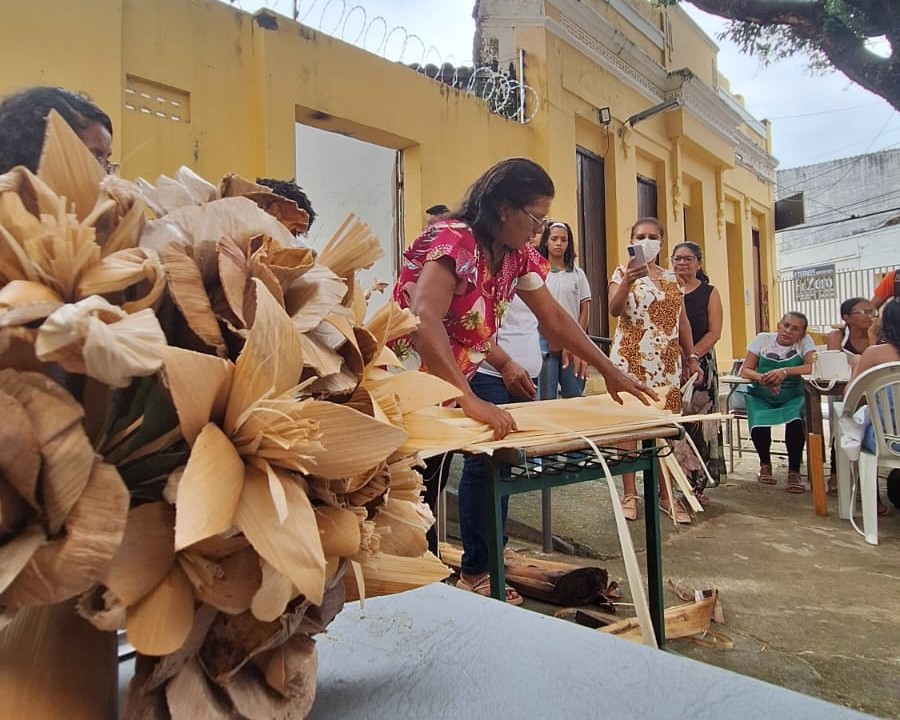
x=458, y=277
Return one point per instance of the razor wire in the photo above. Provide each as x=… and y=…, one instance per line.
x=500, y=89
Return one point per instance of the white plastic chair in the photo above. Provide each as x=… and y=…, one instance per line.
x=880, y=387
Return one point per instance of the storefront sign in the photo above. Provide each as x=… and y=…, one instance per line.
x=814, y=283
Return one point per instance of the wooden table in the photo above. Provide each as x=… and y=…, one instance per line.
x=815, y=438
x=572, y=462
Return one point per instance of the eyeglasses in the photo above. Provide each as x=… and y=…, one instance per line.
x=683, y=258
x=539, y=224
x=647, y=237
x=867, y=313
x=108, y=167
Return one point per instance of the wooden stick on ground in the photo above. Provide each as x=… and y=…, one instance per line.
x=553, y=582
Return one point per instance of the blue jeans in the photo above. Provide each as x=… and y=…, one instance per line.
x=555, y=377
x=473, y=484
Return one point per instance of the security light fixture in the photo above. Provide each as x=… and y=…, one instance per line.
x=604, y=116
x=662, y=107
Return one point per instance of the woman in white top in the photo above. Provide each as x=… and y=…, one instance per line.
x=569, y=285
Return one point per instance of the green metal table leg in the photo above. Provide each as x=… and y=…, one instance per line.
x=654, y=547
x=493, y=496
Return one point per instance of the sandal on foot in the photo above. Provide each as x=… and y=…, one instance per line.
x=677, y=513
x=702, y=498
x=765, y=475
x=629, y=507
x=481, y=585
x=795, y=483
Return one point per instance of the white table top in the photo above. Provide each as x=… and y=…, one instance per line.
x=438, y=652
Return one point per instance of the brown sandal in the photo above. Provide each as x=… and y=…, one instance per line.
x=481, y=585
x=765, y=475
x=795, y=483
x=629, y=507
x=677, y=512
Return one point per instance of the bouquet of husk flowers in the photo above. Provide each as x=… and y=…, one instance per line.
x=204, y=441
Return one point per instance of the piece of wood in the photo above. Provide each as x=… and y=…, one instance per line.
x=681, y=621
x=552, y=582
x=816, y=449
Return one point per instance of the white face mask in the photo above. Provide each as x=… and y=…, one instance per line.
x=651, y=248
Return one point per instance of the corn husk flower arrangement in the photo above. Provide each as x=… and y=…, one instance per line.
x=205, y=441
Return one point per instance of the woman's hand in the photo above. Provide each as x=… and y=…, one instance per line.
x=695, y=369
x=617, y=381
x=517, y=381
x=774, y=377
x=635, y=270
x=500, y=421
x=579, y=366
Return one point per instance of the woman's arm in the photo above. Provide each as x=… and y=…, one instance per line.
x=431, y=301
x=748, y=369
x=560, y=328
x=686, y=340
x=713, y=325
x=833, y=340
x=516, y=380
x=618, y=292
x=584, y=313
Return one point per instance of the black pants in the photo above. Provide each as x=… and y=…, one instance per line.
x=435, y=476
x=793, y=438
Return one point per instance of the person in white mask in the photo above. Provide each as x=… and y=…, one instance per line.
x=652, y=334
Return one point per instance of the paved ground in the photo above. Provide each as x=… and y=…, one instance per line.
x=808, y=603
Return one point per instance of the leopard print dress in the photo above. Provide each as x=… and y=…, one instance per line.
x=646, y=345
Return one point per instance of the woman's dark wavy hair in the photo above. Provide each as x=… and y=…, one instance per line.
x=23, y=121
x=569, y=255
x=516, y=181
x=697, y=252
x=890, y=324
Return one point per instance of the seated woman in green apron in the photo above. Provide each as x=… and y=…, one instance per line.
x=776, y=363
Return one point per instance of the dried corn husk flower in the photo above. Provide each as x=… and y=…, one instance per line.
x=62, y=513
x=73, y=255
x=95, y=338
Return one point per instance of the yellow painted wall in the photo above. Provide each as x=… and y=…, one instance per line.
x=245, y=81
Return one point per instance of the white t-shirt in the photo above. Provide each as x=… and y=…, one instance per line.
x=765, y=345
x=570, y=289
x=518, y=336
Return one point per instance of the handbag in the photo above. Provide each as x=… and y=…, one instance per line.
x=828, y=368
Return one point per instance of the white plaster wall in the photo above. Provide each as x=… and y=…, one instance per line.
x=341, y=175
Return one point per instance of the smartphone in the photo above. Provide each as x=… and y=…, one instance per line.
x=637, y=252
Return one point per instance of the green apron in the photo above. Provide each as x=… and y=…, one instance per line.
x=767, y=410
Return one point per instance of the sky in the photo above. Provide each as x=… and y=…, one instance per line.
x=815, y=117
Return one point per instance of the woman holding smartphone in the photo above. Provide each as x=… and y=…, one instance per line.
x=652, y=333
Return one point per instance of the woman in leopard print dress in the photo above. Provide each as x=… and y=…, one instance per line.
x=653, y=331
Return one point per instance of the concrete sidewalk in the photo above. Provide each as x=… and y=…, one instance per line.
x=809, y=604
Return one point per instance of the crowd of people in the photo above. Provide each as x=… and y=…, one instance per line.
x=504, y=311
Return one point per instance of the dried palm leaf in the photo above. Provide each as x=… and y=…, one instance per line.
x=55, y=419
x=17, y=553
x=68, y=167
x=159, y=623
x=234, y=274
x=124, y=269
x=233, y=591
x=20, y=456
x=190, y=696
x=352, y=247
x=313, y=296
x=23, y=301
x=275, y=591
x=339, y=530
x=407, y=523
x=200, y=385
x=286, y=264
x=415, y=390
x=209, y=489
x=292, y=547
x=120, y=227
x=187, y=290
x=146, y=555
x=102, y=341
x=388, y=574
x=63, y=568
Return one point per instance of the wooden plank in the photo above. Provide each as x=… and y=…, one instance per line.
x=816, y=448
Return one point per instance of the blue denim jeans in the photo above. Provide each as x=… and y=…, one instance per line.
x=555, y=377
x=474, y=483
